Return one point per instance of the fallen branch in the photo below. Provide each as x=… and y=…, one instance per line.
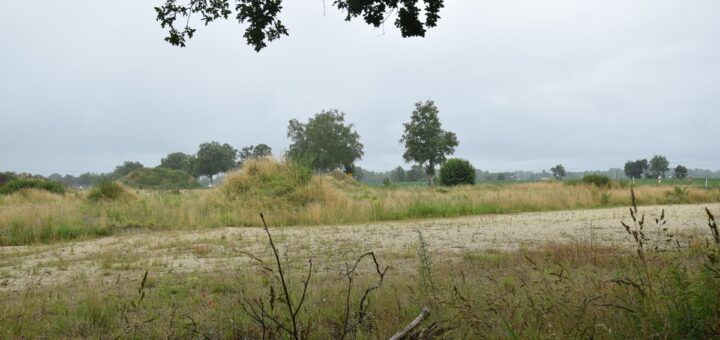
x=423, y=314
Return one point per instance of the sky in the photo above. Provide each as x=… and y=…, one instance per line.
x=525, y=84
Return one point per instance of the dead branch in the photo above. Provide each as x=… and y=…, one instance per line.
x=423, y=314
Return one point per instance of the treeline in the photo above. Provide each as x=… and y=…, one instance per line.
x=327, y=143
x=176, y=171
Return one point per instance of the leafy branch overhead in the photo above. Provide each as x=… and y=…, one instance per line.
x=264, y=25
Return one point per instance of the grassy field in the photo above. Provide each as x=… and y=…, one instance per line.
x=225, y=283
x=535, y=260
x=294, y=197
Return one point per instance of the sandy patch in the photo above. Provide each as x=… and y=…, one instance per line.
x=217, y=250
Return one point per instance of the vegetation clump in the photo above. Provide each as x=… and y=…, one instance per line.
x=457, y=171
x=267, y=178
x=18, y=184
x=6, y=177
x=160, y=178
x=597, y=180
x=107, y=190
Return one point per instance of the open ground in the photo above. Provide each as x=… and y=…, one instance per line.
x=214, y=250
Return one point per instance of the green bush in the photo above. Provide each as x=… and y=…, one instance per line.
x=457, y=171
x=597, y=180
x=159, y=178
x=7, y=177
x=31, y=183
x=106, y=190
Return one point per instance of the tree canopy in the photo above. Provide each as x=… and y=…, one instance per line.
x=636, y=169
x=126, y=168
x=325, y=141
x=254, y=151
x=179, y=161
x=680, y=171
x=426, y=143
x=214, y=158
x=558, y=171
x=659, y=165
x=264, y=24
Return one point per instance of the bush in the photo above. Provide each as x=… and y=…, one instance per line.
x=107, y=190
x=159, y=178
x=7, y=177
x=457, y=171
x=31, y=183
x=598, y=180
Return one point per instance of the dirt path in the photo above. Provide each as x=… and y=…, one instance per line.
x=214, y=250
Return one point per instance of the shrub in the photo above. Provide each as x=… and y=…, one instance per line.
x=7, y=177
x=457, y=171
x=107, y=190
x=386, y=183
x=159, y=178
x=597, y=180
x=31, y=183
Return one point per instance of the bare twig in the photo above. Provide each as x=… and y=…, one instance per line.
x=288, y=299
x=362, y=307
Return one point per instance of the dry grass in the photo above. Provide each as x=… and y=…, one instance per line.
x=550, y=291
x=293, y=197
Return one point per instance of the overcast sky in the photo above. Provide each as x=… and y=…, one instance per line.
x=87, y=84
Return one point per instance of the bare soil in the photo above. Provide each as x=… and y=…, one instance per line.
x=215, y=250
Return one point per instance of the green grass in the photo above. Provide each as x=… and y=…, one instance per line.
x=19, y=184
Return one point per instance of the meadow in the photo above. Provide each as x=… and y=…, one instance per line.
x=569, y=274
x=343, y=260
x=295, y=197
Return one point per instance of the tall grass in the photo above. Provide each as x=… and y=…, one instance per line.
x=292, y=196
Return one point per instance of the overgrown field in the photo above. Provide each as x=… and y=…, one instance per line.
x=659, y=278
x=293, y=196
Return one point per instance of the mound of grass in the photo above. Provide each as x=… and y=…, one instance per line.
x=18, y=184
x=159, y=178
x=268, y=179
x=107, y=190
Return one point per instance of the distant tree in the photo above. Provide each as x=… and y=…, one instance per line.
x=179, y=161
x=264, y=24
x=398, y=175
x=636, y=169
x=213, y=158
x=56, y=177
x=426, y=143
x=88, y=179
x=558, y=171
x=358, y=173
x=254, y=151
x=70, y=180
x=680, y=171
x=415, y=174
x=325, y=141
x=658, y=166
x=126, y=168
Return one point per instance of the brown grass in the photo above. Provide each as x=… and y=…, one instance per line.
x=293, y=197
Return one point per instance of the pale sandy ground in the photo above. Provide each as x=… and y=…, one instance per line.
x=217, y=250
